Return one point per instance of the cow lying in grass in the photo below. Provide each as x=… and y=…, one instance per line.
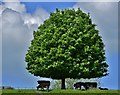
x=103, y=88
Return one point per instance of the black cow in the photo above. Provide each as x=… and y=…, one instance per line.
x=86, y=85
x=43, y=84
x=103, y=88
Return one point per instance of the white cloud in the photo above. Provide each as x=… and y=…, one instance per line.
x=35, y=19
x=18, y=26
x=13, y=26
x=15, y=5
x=99, y=6
x=40, y=13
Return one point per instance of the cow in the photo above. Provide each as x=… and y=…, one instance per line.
x=43, y=84
x=103, y=88
x=86, y=85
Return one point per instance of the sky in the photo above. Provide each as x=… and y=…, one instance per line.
x=20, y=19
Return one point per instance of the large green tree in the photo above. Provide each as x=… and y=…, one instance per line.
x=67, y=45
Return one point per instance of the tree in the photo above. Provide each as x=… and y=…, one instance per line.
x=67, y=45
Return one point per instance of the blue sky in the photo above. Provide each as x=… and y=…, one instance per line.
x=22, y=18
x=48, y=6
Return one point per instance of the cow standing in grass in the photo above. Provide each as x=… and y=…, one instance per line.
x=43, y=84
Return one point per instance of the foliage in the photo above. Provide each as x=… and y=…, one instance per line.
x=67, y=45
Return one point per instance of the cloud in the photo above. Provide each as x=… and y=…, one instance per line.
x=36, y=19
x=15, y=5
x=105, y=16
x=17, y=30
x=99, y=6
x=14, y=28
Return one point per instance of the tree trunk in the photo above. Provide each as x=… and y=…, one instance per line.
x=63, y=84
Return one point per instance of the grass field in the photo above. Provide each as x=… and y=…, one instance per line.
x=60, y=92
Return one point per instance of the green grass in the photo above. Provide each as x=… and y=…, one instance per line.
x=87, y=91
x=19, y=91
x=60, y=92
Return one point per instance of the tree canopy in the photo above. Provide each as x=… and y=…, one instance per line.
x=67, y=45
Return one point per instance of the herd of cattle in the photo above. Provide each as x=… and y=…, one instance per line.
x=44, y=85
x=79, y=85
